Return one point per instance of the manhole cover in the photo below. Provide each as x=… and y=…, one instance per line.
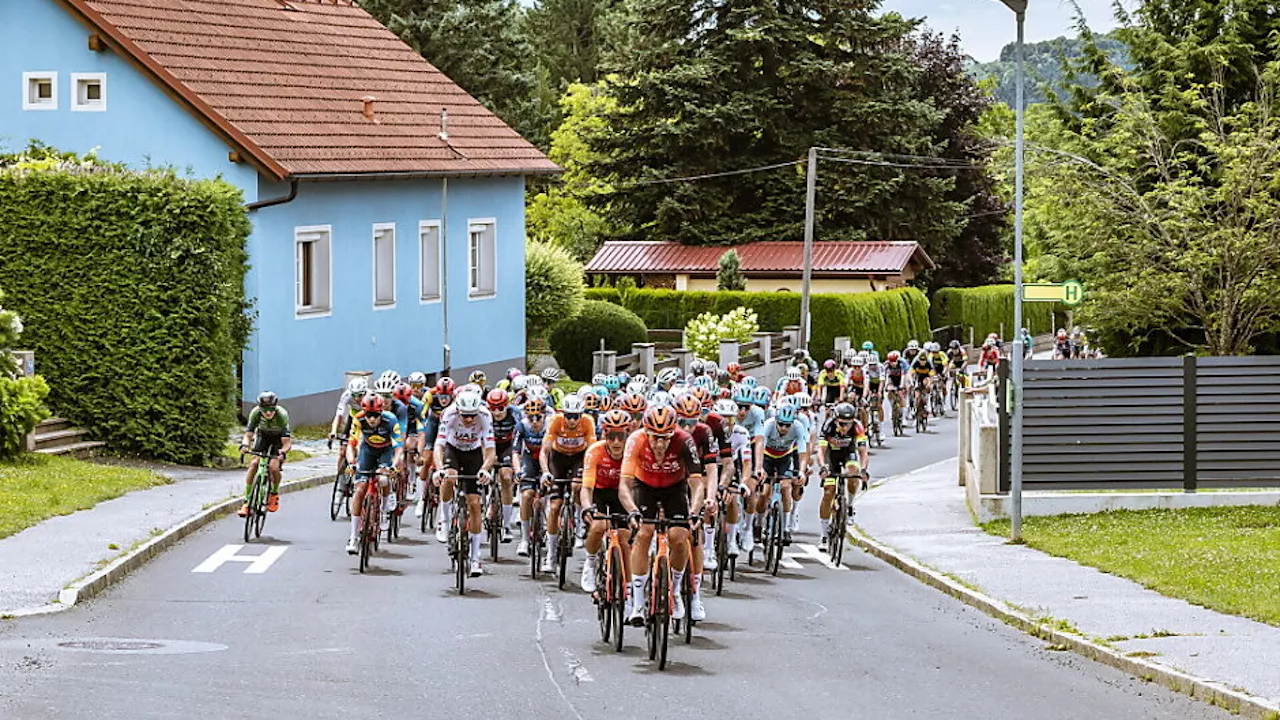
x=111, y=645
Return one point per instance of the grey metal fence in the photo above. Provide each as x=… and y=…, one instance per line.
x=1135, y=423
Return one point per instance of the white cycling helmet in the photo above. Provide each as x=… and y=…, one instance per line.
x=873, y=357
x=417, y=378
x=468, y=403
x=537, y=392
x=358, y=386
x=391, y=375
x=710, y=368
x=519, y=382
x=660, y=399
x=533, y=381
x=637, y=388
x=643, y=380
x=802, y=400
x=586, y=390
x=385, y=385
x=725, y=407
x=574, y=404
x=793, y=373
x=913, y=345
x=668, y=376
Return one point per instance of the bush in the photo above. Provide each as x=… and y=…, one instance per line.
x=703, y=334
x=553, y=285
x=989, y=309
x=729, y=276
x=132, y=288
x=574, y=340
x=21, y=398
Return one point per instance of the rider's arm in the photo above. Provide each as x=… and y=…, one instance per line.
x=628, y=474
x=548, y=440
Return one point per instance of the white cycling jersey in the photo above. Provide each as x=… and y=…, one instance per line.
x=463, y=436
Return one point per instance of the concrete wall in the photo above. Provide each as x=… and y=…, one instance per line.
x=141, y=126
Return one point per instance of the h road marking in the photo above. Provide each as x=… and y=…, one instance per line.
x=258, y=564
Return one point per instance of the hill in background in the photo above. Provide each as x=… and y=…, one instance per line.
x=1044, y=65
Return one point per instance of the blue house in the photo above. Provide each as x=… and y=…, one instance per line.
x=387, y=204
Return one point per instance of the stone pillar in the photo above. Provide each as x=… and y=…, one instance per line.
x=684, y=357
x=793, y=337
x=842, y=343
x=766, y=344
x=964, y=416
x=728, y=351
x=353, y=374
x=644, y=353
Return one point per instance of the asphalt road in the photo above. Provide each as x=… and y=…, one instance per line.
x=309, y=637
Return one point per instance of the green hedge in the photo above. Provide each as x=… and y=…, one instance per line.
x=888, y=319
x=131, y=286
x=573, y=341
x=989, y=309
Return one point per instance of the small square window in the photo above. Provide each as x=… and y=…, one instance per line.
x=90, y=92
x=40, y=91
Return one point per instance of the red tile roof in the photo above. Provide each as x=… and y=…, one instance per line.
x=761, y=258
x=283, y=80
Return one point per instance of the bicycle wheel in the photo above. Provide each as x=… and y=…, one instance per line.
x=368, y=530
x=464, y=548
x=835, y=535
x=778, y=543
x=662, y=618
x=722, y=553
x=617, y=596
x=771, y=537
x=493, y=515
x=564, y=548
x=535, y=539
x=686, y=593
x=252, y=502
x=259, y=513
x=604, y=606
x=339, y=496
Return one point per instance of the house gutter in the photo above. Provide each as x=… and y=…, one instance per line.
x=287, y=197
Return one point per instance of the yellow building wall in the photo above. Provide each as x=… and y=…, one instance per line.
x=817, y=285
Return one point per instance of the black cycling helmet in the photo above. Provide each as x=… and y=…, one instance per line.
x=846, y=411
x=267, y=399
x=954, y=344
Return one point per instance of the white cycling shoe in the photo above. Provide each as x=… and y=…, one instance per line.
x=677, y=613
x=442, y=534
x=523, y=548
x=589, y=575
x=697, y=611
x=476, y=568
x=709, y=561
x=352, y=545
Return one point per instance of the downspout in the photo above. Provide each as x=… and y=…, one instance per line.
x=287, y=197
x=444, y=249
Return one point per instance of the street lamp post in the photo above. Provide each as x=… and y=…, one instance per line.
x=1019, y=7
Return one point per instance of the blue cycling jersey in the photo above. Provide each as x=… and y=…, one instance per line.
x=780, y=444
x=753, y=423
x=528, y=440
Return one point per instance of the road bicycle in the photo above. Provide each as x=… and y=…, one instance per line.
x=840, y=512
x=937, y=397
x=772, y=538
x=371, y=514
x=259, y=492
x=459, y=536
x=536, y=533
x=340, y=497
x=427, y=522
x=492, y=514
x=895, y=404
x=725, y=563
x=403, y=477
x=657, y=623
x=921, y=410
x=958, y=382
x=568, y=526
x=686, y=596
x=875, y=402
x=611, y=582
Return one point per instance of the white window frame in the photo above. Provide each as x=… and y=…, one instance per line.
x=473, y=290
x=88, y=105
x=301, y=312
x=373, y=248
x=423, y=226
x=30, y=77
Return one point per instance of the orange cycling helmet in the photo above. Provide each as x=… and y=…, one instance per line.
x=660, y=421
x=373, y=404
x=497, y=399
x=403, y=392
x=688, y=408
x=633, y=403
x=604, y=403
x=590, y=402
x=615, y=421
x=704, y=396
x=535, y=408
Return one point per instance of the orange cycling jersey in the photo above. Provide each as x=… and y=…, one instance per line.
x=570, y=441
x=601, y=470
x=679, y=462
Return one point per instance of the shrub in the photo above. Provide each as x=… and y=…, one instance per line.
x=21, y=398
x=574, y=340
x=132, y=288
x=703, y=334
x=553, y=285
x=729, y=276
x=987, y=309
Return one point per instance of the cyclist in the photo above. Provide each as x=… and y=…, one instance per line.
x=464, y=446
x=790, y=383
x=530, y=432
x=896, y=372
x=385, y=387
x=989, y=360
x=666, y=379
x=634, y=404
x=832, y=382
x=841, y=436
x=477, y=377
x=601, y=475
x=505, y=419
x=660, y=470
x=376, y=442
x=689, y=417
x=418, y=383
x=783, y=440
x=348, y=408
x=957, y=363
x=921, y=372
x=735, y=464
x=507, y=382
x=412, y=436
x=1061, y=345
x=550, y=377
x=802, y=357
x=266, y=432
x=911, y=351
x=569, y=434
x=435, y=402
x=856, y=378
x=735, y=372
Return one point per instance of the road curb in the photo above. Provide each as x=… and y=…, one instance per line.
x=119, y=568
x=1217, y=694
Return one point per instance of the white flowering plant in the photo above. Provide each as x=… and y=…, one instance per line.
x=703, y=333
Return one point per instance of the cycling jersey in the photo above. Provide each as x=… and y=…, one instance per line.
x=708, y=449
x=679, y=462
x=990, y=356
x=779, y=444
x=376, y=431
x=504, y=428
x=835, y=439
x=753, y=423
x=276, y=427
x=939, y=360
x=857, y=376
x=415, y=415
x=835, y=378
x=739, y=443
x=716, y=423
x=910, y=354
x=462, y=436
x=570, y=441
x=874, y=371
x=347, y=405
x=436, y=402
x=922, y=366
x=527, y=440
x=601, y=470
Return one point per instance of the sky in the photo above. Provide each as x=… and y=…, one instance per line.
x=985, y=26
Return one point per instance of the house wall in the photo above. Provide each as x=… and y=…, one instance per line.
x=303, y=359
x=141, y=126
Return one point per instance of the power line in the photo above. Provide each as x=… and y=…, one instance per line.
x=903, y=166
x=708, y=176
x=897, y=156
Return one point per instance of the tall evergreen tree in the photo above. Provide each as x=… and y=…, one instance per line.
x=729, y=276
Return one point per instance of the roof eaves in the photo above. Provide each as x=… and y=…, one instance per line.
x=413, y=174
x=130, y=50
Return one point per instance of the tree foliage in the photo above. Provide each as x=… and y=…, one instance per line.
x=21, y=398
x=1047, y=65
x=553, y=285
x=575, y=339
x=729, y=276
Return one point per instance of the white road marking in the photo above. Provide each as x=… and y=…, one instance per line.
x=576, y=668
x=811, y=552
x=258, y=564
x=790, y=564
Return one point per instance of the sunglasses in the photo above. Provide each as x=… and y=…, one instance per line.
x=744, y=406
x=659, y=436
x=468, y=416
x=783, y=424
x=615, y=436
x=572, y=416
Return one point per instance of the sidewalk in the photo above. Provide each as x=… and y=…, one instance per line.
x=923, y=515
x=41, y=560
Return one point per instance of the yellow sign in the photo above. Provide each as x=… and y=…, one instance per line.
x=1070, y=292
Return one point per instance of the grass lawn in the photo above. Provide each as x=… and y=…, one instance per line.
x=311, y=432
x=231, y=451
x=36, y=487
x=1226, y=559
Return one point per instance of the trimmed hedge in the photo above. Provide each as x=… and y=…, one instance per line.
x=888, y=319
x=132, y=289
x=989, y=309
x=574, y=340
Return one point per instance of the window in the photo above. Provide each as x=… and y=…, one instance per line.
x=312, y=270
x=481, y=254
x=89, y=92
x=429, y=267
x=40, y=91
x=384, y=265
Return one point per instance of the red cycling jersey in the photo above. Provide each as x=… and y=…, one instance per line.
x=600, y=469
x=679, y=462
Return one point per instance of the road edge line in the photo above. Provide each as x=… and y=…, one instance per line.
x=1208, y=691
x=121, y=567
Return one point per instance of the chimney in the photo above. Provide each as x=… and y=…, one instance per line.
x=444, y=124
x=368, y=101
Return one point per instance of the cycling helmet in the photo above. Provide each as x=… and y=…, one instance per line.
x=733, y=368
x=537, y=393
x=893, y=356
x=723, y=377
x=624, y=378
x=668, y=376
x=704, y=396
x=760, y=396
x=446, y=386
x=391, y=375
x=988, y=343
x=913, y=345
x=829, y=365
x=742, y=395
x=798, y=354
x=384, y=386
x=573, y=405
x=725, y=408
x=868, y=345
x=710, y=368
x=612, y=383
x=373, y=404
x=785, y=415
x=873, y=357
x=632, y=403
x=660, y=421
x=802, y=400
x=267, y=399
x=513, y=373
x=687, y=407
x=750, y=381
x=660, y=399
x=519, y=382
x=471, y=388
x=697, y=367
x=598, y=379
x=497, y=399
x=417, y=379
x=1062, y=332
x=804, y=369
x=636, y=388
x=705, y=382
x=534, y=408
x=615, y=421
x=533, y=381
x=403, y=392
x=551, y=375
x=846, y=411
x=468, y=403
x=590, y=402
x=478, y=377
x=358, y=387
x=643, y=380
x=953, y=344
x=793, y=373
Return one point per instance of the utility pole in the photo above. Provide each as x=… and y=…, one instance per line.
x=810, y=199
